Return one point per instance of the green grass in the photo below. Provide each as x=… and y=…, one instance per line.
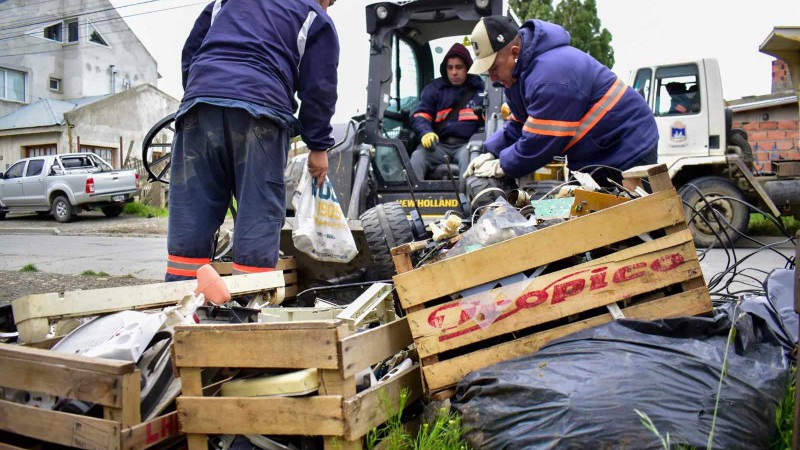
x=761, y=226
x=92, y=273
x=443, y=433
x=784, y=416
x=28, y=268
x=138, y=209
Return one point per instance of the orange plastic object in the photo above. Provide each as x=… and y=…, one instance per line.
x=210, y=284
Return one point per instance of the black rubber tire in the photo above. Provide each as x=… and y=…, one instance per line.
x=385, y=227
x=735, y=213
x=43, y=213
x=483, y=191
x=113, y=210
x=62, y=210
x=738, y=138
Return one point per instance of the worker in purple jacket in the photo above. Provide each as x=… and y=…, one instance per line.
x=243, y=63
x=563, y=103
x=448, y=114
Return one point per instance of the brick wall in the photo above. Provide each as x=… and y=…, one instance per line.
x=781, y=80
x=772, y=140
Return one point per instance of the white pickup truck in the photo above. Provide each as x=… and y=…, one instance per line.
x=65, y=184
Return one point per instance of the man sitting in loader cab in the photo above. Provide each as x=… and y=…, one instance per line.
x=446, y=116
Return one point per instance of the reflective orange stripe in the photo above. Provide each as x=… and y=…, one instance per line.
x=425, y=116
x=441, y=115
x=550, y=127
x=467, y=114
x=251, y=269
x=182, y=272
x=598, y=111
x=184, y=260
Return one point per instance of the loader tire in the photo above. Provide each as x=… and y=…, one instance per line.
x=385, y=227
x=722, y=196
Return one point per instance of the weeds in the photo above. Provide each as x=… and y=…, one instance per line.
x=28, y=268
x=761, y=226
x=92, y=273
x=784, y=416
x=141, y=210
x=444, y=433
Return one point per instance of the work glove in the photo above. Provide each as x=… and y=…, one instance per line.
x=490, y=169
x=476, y=163
x=429, y=140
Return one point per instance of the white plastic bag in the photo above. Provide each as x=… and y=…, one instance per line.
x=321, y=230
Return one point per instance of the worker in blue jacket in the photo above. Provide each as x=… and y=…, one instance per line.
x=563, y=103
x=242, y=64
x=448, y=114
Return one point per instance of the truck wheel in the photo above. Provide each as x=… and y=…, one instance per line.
x=62, y=210
x=385, y=227
x=719, y=193
x=113, y=210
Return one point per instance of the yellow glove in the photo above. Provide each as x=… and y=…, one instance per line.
x=505, y=111
x=429, y=140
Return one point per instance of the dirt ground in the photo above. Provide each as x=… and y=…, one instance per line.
x=19, y=284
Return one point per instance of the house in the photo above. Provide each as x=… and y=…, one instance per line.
x=771, y=121
x=74, y=77
x=110, y=125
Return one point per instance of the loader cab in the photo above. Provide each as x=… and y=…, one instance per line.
x=686, y=100
x=407, y=44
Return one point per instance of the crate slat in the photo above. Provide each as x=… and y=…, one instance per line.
x=319, y=415
x=369, y=347
x=444, y=374
x=553, y=243
x=47, y=357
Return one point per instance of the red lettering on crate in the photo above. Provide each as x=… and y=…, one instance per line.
x=167, y=427
x=563, y=289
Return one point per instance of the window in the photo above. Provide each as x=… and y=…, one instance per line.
x=95, y=36
x=40, y=150
x=12, y=84
x=15, y=171
x=677, y=91
x=54, y=32
x=642, y=83
x=72, y=30
x=55, y=84
x=105, y=153
x=34, y=167
x=76, y=162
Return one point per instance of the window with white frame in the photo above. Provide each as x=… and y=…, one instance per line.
x=12, y=84
x=54, y=32
x=71, y=25
x=94, y=35
x=55, y=84
x=65, y=31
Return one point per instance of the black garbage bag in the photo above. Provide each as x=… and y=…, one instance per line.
x=582, y=390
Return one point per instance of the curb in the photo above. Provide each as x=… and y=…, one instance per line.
x=31, y=230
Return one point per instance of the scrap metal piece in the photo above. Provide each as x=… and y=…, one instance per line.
x=375, y=304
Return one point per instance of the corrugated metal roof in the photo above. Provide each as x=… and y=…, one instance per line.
x=44, y=113
x=762, y=102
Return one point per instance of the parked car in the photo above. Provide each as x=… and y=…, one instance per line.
x=63, y=185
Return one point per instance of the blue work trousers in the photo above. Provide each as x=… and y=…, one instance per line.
x=219, y=152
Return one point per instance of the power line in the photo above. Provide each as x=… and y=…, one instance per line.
x=115, y=18
x=55, y=17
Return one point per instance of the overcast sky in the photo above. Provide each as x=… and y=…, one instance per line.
x=644, y=32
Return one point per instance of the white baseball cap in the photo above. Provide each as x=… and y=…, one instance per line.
x=490, y=35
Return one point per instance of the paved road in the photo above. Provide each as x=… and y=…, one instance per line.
x=145, y=257
x=140, y=257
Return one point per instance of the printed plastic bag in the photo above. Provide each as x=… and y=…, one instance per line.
x=321, y=230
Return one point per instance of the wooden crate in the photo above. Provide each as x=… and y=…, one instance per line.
x=338, y=413
x=452, y=344
x=113, y=384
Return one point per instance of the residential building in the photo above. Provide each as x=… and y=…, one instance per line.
x=67, y=49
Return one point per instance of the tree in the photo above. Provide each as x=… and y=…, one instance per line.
x=579, y=18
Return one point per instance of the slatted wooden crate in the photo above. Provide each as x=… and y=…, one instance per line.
x=112, y=384
x=337, y=412
x=656, y=279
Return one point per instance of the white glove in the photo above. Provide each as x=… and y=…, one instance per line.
x=490, y=169
x=476, y=163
